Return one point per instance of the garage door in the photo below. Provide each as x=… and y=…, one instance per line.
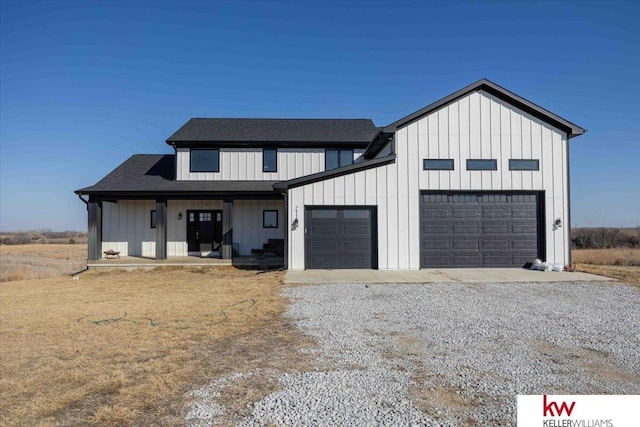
x=340, y=237
x=479, y=230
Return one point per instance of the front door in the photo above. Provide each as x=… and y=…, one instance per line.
x=204, y=227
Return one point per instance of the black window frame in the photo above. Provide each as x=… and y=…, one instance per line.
x=492, y=162
x=264, y=165
x=264, y=212
x=339, y=151
x=433, y=167
x=192, y=150
x=153, y=218
x=534, y=161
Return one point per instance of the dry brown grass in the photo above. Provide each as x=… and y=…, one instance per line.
x=613, y=256
x=124, y=347
x=630, y=275
x=620, y=263
x=24, y=262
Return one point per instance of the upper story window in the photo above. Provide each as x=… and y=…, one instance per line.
x=153, y=219
x=269, y=160
x=482, y=164
x=437, y=164
x=205, y=160
x=524, y=164
x=337, y=158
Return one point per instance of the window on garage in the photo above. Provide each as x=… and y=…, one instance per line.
x=524, y=164
x=482, y=164
x=437, y=164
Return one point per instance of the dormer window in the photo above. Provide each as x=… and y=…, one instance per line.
x=205, y=160
x=269, y=160
x=337, y=158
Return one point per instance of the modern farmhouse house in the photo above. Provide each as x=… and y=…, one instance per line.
x=477, y=179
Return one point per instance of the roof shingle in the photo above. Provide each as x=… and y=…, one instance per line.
x=154, y=174
x=291, y=131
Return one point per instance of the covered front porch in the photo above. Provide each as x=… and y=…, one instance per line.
x=243, y=231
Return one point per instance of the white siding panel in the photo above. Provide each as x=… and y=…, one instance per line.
x=464, y=125
x=496, y=149
x=248, y=231
x=127, y=228
x=371, y=181
x=245, y=164
x=505, y=146
x=454, y=146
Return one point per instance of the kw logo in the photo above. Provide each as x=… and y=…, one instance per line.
x=549, y=407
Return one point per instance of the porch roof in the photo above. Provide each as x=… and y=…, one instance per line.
x=153, y=175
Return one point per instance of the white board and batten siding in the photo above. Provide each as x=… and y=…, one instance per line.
x=126, y=228
x=126, y=225
x=248, y=230
x=245, y=164
x=476, y=126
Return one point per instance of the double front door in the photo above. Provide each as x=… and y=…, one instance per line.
x=204, y=226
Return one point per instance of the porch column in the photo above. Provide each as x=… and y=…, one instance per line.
x=227, y=229
x=286, y=230
x=94, y=229
x=161, y=229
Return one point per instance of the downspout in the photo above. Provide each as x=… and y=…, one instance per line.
x=86, y=202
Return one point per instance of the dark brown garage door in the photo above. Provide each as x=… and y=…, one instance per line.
x=340, y=237
x=479, y=230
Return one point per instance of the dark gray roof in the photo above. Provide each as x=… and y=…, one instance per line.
x=332, y=173
x=502, y=93
x=153, y=174
x=294, y=132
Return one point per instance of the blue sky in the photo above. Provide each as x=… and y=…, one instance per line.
x=84, y=85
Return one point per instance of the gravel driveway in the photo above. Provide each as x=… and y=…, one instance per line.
x=448, y=354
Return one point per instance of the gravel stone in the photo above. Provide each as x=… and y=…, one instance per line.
x=447, y=354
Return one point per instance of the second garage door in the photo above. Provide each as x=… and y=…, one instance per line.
x=479, y=230
x=340, y=237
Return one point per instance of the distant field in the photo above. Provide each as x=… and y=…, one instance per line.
x=613, y=256
x=25, y=262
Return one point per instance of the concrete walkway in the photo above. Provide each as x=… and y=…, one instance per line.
x=436, y=275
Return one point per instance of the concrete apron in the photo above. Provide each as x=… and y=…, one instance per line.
x=432, y=275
